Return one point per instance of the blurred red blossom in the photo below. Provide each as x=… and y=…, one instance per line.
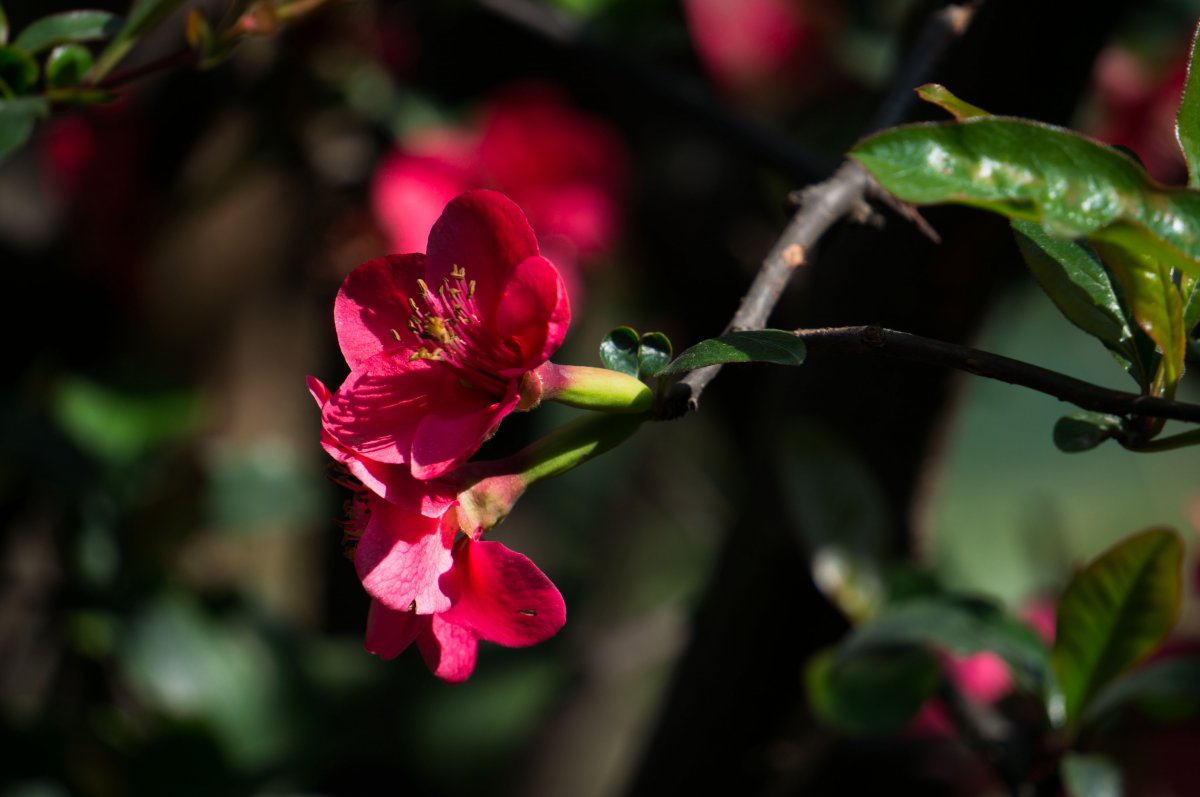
x=761, y=49
x=1137, y=108
x=438, y=344
x=567, y=171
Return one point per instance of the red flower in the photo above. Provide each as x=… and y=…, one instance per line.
x=500, y=597
x=395, y=483
x=437, y=344
x=566, y=169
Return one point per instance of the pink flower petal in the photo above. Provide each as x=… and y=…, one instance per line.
x=377, y=410
x=485, y=233
x=504, y=597
x=389, y=632
x=442, y=442
x=534, y=312
x=402, y=557
x=372, y=302
x=448, y=650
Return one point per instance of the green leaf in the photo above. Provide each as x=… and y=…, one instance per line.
x=961, y=624
x=1070, y=185
x=67, y=27
x=1083, y=431
x=942, y=97
x=761, y=346
x=1079, y=285
x=117, y=426
x=1187, y=118
x=1189, y=288
x=1156, y=305
x=18, y=70
x=143, y=16
x=619, y=351
x=1169, y=688
x=66, y=65
x=841, y=515
x=873, y=694
x=1091, y=776
x=654, y=352
x=16, y=122
x=1114, y=613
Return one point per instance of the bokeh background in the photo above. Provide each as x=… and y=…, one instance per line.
x=176, y=613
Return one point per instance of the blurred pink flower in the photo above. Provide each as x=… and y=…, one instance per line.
x=566, y=169
x=499, y=596
x=771, y=51
x=438, y=344
x=1137, y=110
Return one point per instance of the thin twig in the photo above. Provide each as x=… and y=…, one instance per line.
x=823, y=205
x=914, y=348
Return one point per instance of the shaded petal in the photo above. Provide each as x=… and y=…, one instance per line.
x=372, y=302
x=396, y=484
x=377, y=410
x=389, y=632
x=442, y=442
x=485, y=233
x=389, y=481
x=402, y=557
x=448, y=650
x=534, y=312
x=504, y=597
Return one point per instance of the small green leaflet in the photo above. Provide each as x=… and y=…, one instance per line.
x=761, y=346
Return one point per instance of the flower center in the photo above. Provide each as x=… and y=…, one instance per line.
x=447, y=321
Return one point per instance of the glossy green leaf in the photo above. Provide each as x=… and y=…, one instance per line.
x=143, y=16
x=1083, y=431
x=619, y=351
x=760, y=346
x=1114, y=613
x=960, y=624
x=67, y=65
x=16, y=121
x=1187, y=118
x=1091, y=776
x=1167, y=689
x=654, y=352
x=18, y=71
x=1078, y=283
x=942, y=97
x=1069, y=184
x=1156, y=306
x=876, y=693
x=67, y=27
